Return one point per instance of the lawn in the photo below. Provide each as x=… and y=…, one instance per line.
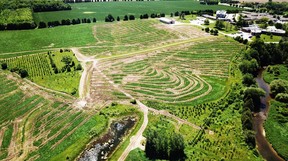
x=268, y=38
x=101, y=10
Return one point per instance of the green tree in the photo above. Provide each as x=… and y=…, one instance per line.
x=164, y=145
x=206, y=22
x=254, y=94
x=282, y=97
x=219, y=24
x=207, y=29
x=278, y=86
x=215, y=32
x=67, y=60
x=4, y=66
x=23, y=73
x=248, y=80
x=79, y=67
x=125, y=18
x=250, y=67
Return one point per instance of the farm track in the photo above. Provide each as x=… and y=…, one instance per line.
x=2, y=130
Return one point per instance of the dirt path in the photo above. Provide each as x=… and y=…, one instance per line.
x=2, y=130
x=264, y=147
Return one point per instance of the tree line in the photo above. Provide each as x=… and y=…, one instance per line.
x=257, y=56
x=66, y=22
x=164, y=145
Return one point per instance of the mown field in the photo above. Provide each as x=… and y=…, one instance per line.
x=194, y=74
x=101, y=10
x=49, y=70
x=43, y=127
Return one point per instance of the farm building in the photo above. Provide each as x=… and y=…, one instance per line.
x=255, y=30
x=273, y=30
x=221, y=14
x=210, y=17
x=166, y=20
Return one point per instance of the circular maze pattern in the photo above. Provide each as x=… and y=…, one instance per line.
x=173, y=77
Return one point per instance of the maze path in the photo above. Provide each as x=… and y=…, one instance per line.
x=173, y=76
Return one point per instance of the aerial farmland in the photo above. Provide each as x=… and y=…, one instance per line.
x=143, y=80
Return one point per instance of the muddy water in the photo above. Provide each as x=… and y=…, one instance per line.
x=264, y=147
x=103, y=147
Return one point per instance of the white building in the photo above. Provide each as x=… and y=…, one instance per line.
x=221, y=14
x=166, y=20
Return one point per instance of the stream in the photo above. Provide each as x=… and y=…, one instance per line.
x=104, y=146
x=263, y=146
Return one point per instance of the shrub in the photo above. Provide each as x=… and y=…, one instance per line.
x=4, y=66
x=282, y=97
x=23, y=73
x=279, y=86
x=114, y=104
x=248, y=80
x=133, y=101
x=206, y=22
x=79, y=67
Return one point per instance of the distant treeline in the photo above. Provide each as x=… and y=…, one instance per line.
x=44, y=5
x=215, y=2
x=66, y=22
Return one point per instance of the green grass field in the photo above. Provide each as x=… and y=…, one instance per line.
x=101, y=10
x=267, y=38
